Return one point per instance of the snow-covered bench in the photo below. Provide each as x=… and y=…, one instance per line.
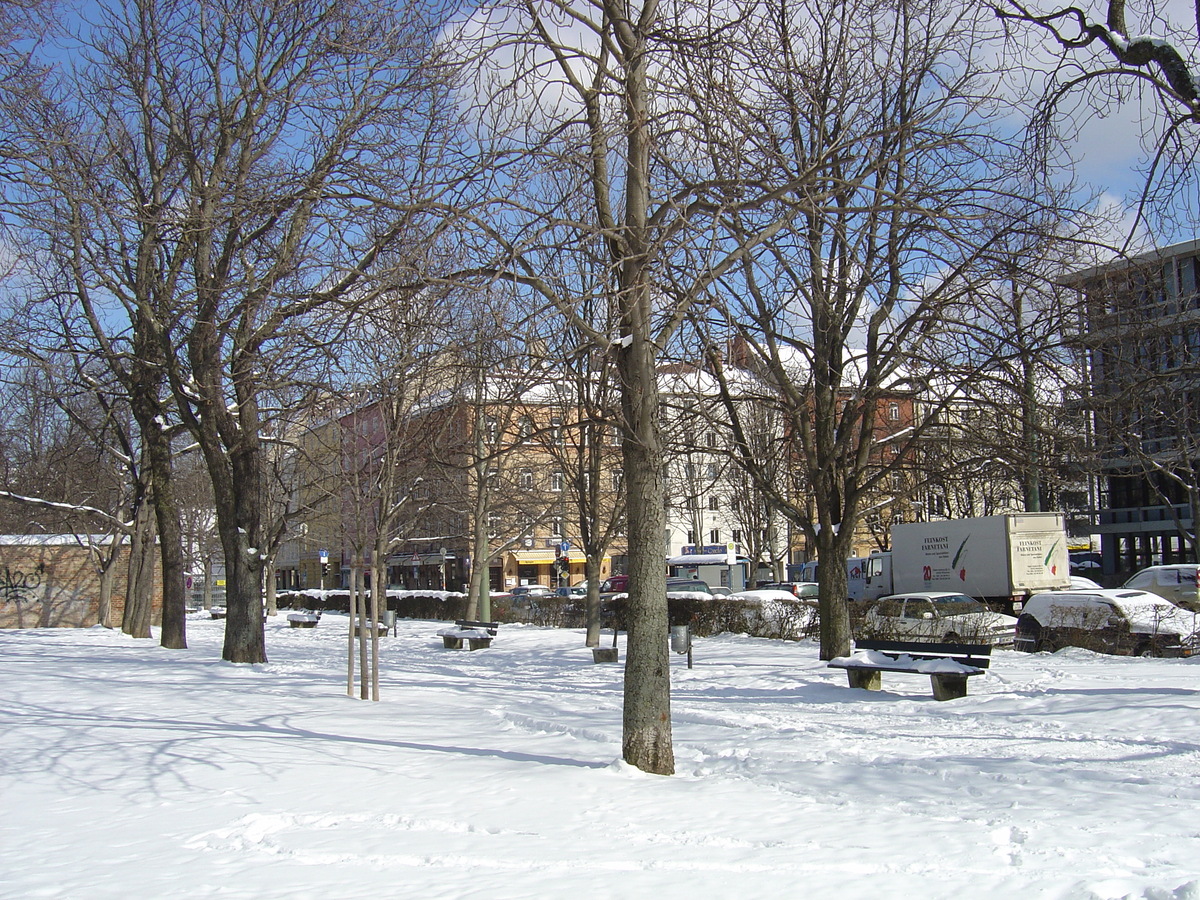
x=947, y=665
x=304, y=619
x=478, y=635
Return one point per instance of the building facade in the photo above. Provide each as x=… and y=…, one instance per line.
x=1142, y=339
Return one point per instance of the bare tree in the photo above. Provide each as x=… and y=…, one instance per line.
x=900, y=186
x=1149, y=54
x=251, y=189
x=597, y=100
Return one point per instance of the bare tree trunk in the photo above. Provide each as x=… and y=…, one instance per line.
x=108, y=574
x=646, y=740
x=269, y=586
x=831, y=601
x=353, y=607
x=359, y=621
x=208, y=581
x=591, y=569
x=140, y=585
x=378, y=590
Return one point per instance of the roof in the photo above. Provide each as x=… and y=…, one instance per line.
x=54, y=540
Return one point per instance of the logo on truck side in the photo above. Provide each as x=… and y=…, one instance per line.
x=962, y=572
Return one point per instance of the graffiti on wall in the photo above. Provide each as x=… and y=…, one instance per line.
x=16, y=586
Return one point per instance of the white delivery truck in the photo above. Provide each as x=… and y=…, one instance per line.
x=999, y=560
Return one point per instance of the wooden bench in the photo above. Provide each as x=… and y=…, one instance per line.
x=478, y=635
x=947, y=665
x=303, y=619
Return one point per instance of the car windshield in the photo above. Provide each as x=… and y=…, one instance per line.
x=957, y=605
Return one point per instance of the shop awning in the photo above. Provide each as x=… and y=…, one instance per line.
x=704, y=559
x=545, y=557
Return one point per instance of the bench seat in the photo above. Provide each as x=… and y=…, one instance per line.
x=478, y=635
x=947, y=665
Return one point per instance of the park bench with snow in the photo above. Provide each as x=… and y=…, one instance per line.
x=303, y=619
x=947, y=665
x=478, y=635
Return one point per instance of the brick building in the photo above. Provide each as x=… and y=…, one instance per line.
x=53, y=581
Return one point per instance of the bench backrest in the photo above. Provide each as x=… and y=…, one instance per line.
x=490, y=627
x=978, y=655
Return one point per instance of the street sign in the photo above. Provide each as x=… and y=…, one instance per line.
x=564, y=546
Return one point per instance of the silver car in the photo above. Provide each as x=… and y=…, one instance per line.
x=1178, y=583
x=938, y=616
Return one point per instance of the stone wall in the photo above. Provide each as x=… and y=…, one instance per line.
x=50, y=581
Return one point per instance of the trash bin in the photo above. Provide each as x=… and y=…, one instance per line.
x=681, y=638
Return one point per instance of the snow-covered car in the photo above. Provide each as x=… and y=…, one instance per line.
x=938, y=616
x=1115, y=620
x=788, y=614
x=771, y=594
x=802, y=589
x=1079, y=583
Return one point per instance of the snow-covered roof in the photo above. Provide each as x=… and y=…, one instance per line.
x=54, y=540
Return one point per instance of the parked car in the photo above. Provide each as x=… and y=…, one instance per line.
x=531, y=590
x=687, y=586
x=616, y=584
x=1079, y=583
x=574, y=590
x=1116, y=620
x=1178, y=583
x=938, y=616
x=801, y=589
x=770, y=597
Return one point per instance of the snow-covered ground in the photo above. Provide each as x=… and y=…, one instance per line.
x=129, y=771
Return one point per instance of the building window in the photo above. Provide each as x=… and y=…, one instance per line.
x=527, y=479
x=493, y=479
x=894, y=412
x=714, y=536
x=618, y=479
x=556, y=429
x=556, y=480
x=691, y=537
x=491, y=429
x=493, y=524
x=524, y=428
x=714, y=504
x=737, y=536
x=556, y=527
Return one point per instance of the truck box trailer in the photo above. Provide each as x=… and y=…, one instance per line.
x=999, y=560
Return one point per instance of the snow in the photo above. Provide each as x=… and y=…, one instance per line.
x=134, y=771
